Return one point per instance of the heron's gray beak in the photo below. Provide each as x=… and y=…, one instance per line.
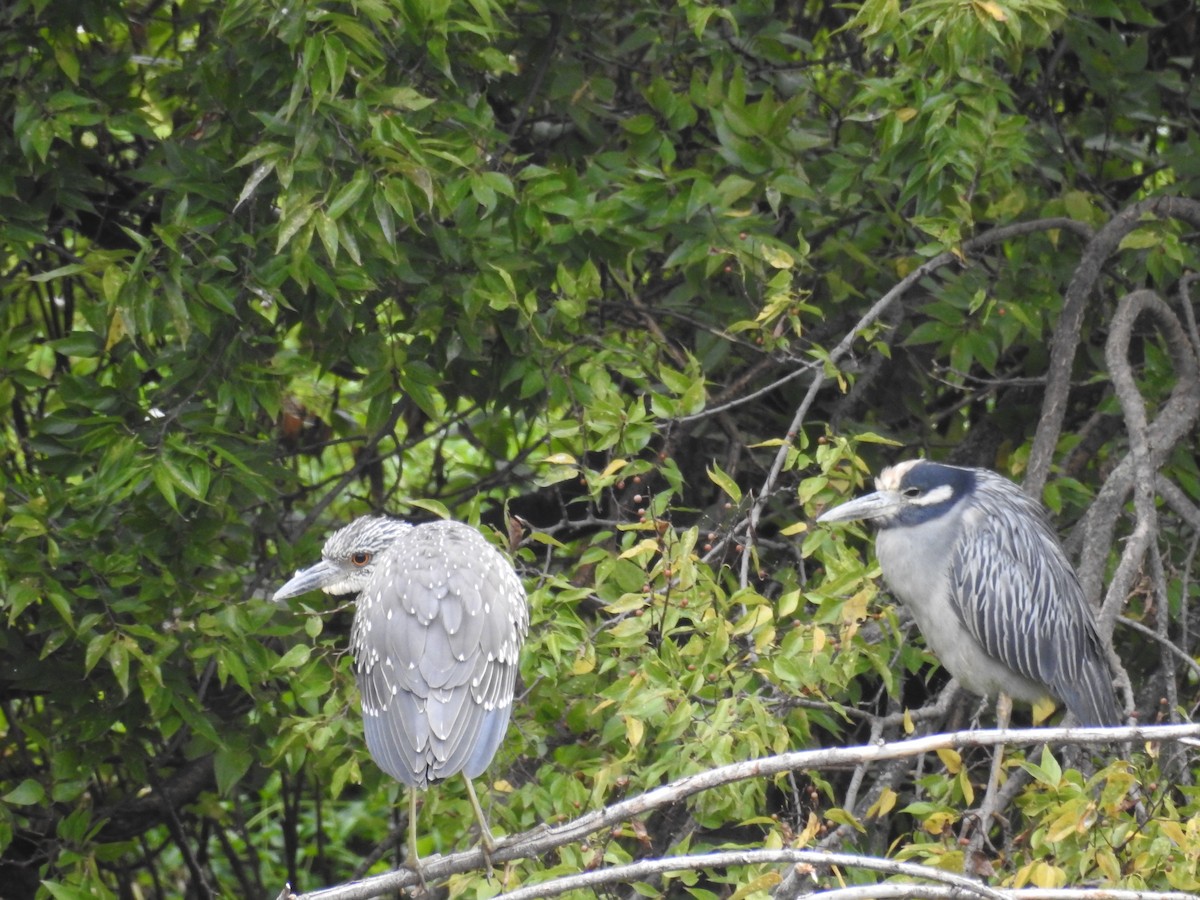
x=873, y=506
x=310, y=579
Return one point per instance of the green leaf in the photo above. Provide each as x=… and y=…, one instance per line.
x=96, y=649
x=60, y=272
x=230, y=763
x=349, y=195
x=118, y=661
x=28, y=793
x=295, y=657
x=722, y=480
x=295, y=219
x=1141, y=239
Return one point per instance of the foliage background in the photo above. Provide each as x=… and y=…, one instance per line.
x=665, y=280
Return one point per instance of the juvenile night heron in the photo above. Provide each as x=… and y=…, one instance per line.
x=440, y=620
x=974, y=559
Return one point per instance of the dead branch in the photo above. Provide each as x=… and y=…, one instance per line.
x=1065, y=340
x=546, y=839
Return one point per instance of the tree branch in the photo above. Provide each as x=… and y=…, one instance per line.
x=543, y=840
x=1066, y=334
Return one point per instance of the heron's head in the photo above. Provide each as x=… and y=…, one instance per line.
x=347, y=559
x=908, y=493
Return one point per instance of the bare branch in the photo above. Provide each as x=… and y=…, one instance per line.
x=1175, y=421
x=543, y=840
x=1066, y=335
x=642, y=869
x=946, y=892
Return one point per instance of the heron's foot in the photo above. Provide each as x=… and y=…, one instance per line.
x=976, y=842
x=422, y=887
x=976, y=824
x=487, y=846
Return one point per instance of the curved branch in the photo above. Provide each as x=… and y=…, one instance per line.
x=137, y=815
x=1066, y=335
x=1175, y=421
x=1116, y=355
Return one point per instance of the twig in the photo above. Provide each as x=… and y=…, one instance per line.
x=1166, y=644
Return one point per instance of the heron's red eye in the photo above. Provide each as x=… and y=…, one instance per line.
x=361, y=558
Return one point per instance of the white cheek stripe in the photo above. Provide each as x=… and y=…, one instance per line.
x=939, y=494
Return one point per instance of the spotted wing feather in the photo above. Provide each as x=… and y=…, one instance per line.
x=436, y=640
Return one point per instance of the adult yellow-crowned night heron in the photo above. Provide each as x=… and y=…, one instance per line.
x=440, y=620
x=973, y=558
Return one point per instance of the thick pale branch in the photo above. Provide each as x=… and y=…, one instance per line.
x=544, y=840
x=946, y=892
x=816, y=859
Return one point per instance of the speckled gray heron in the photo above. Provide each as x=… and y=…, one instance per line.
x=441, y=616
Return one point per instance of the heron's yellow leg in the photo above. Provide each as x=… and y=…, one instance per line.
x=485, y=833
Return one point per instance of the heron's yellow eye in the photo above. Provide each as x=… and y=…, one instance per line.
x=361, y=558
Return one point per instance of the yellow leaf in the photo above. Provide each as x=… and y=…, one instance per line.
x=584, y=663
x=1042, y=710
x=794, y=528
x=718, y=477
x=884, y=805
x=968, y=789
x=776, y=257
x=909, y=727
x=1106, y=862
x=1045, y=875
x=634, y=730
x=1171, y=829
x=560, y=459
x=856, y=607
x=614, y=467
x=1064, y=825
x=811, y=829
x=626, y=603
x=761, y=883
x=759, y=616
x=818, y=638
x=646, y=544
x=936, y=823
x=950, y=759
x=993, y=9
x=905, y=113
x=844, y=817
